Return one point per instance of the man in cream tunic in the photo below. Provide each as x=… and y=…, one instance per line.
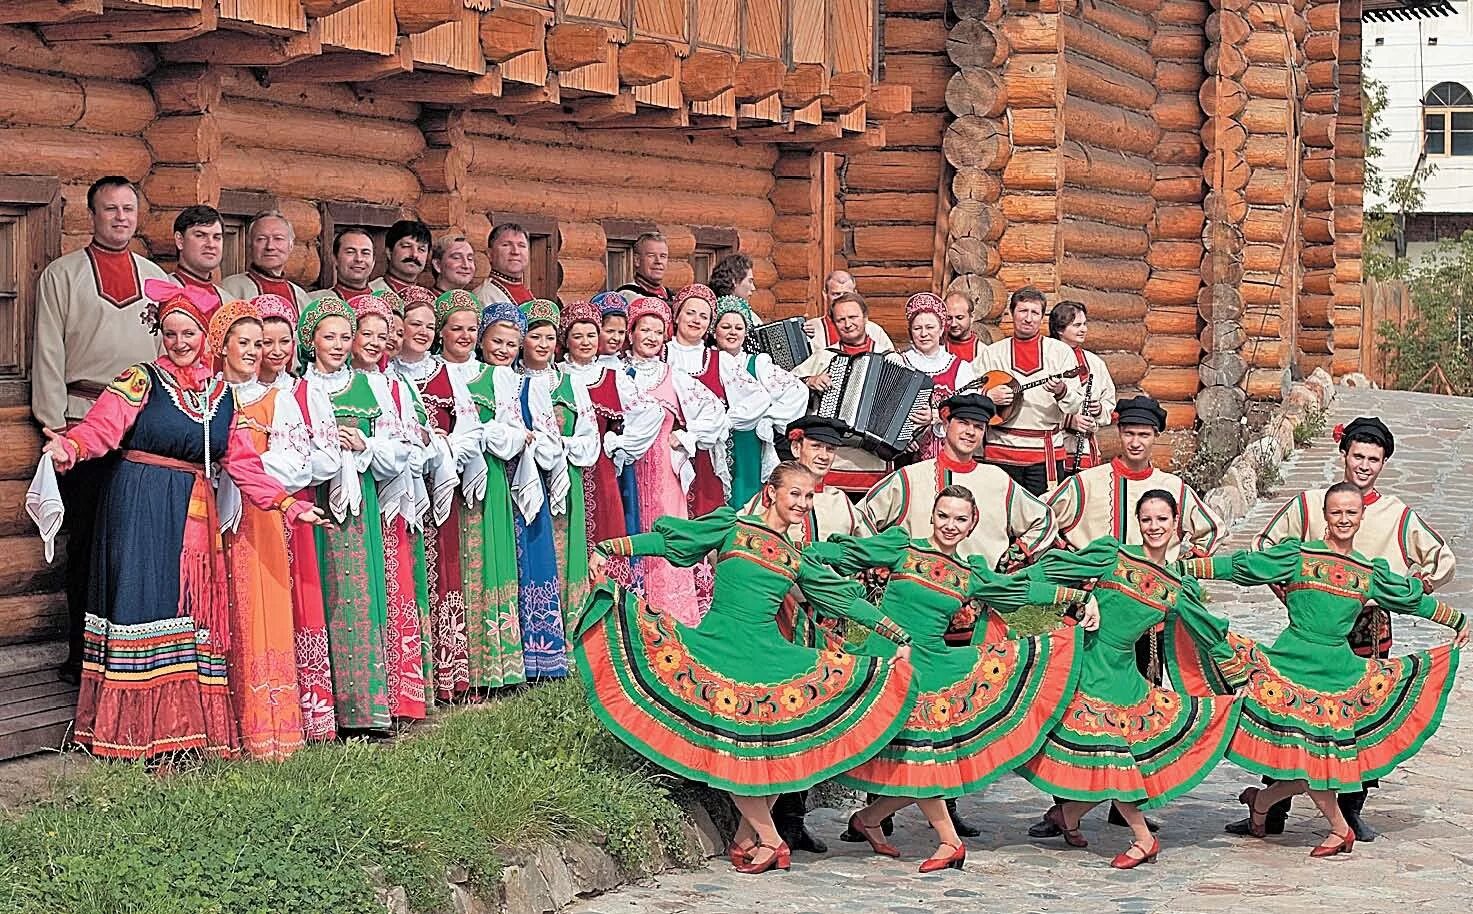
x=89, y=327
x=270, y=238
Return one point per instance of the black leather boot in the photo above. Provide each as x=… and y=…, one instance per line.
x=1351, y=805
x=963, y=827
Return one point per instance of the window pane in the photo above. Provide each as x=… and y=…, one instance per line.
x=1436, y=139
x=619, y=266
x=1462, y=143
x=1462, y=120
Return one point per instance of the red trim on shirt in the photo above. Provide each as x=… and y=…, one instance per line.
x=116, y=275
x=944, y=462
x=1027, y=355
x=1118, y=467
x=346, y=294
x=1371, y=498
x=963, y=349
x=514, y=288
x=191, y=280
x=867, y=346
x=274, y=285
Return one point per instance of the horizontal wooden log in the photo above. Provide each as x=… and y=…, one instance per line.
x=1030, y=207
x=39, y=100
x=1107, y=306
x=1183, y=12
x=1107, y=336
x=498, y=193
x=1262, y=290
x=1107, y=170
x=1117, y=20
x=894, y=243
x=1097, y=43
x=974, y=219
x=1316, y=310
x=1174, y=222
x=244, y=122
x=579, y=277
x=1178, y=184
x=1267, y=115
x=1322, y=74
x=1131, y=210
x=977, y=92
x=1177, y=148
x=1034, y=169
x=971, y=42
x=1103, y=127
x=1317, y=256
x=23, y=567
x=1348, y=245
x=184, y=140
x=1348, y=219
x=927, y=75
x=976, y=142
x=644, y=63
x=581, y=241
x=33, y=618
x=1109, y=85
x=1266, y=81
x=1126, y=368
x=1024, y=242
x=1266, y=46
x=1114, y=273
x=1166, y=383
x=1320, y=165
x=973, y=256
x=74, y=156
x=1030, y=33
x=1179, y=77
x=889, y=207
x=1086, y=237
x=1173, y=320
x=1172, y=351
x=1172, y=287
x=1177, y=111
x=1319, y=196
x=976, y=184
x=890, y=280
x=1043, y=276
x=1316, y=342
x=1268, y=258
x=1267, y=150
x=1034, y=126
x=894, y=171
x=25, y=49
x=529, y=161
x=1184, y=256
x=1268, y=187
x=1266, y=223
x=926, y=35
x=179, y=186
x=1031, y=81
x=1224, y=61
x=1178, y=43
x=1318, y=130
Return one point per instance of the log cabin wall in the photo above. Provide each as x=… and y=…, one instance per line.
x=888, y=201
x=1317, y=26
x=1350, y=314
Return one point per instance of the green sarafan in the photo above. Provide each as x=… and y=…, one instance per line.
x=318, y=832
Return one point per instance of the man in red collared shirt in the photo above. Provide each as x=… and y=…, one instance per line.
x=961, y=340
x=199, y=237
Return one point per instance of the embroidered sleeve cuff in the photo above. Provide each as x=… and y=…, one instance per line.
x=1201, y=567
x=619, y=546
x=1064, y=595
x=892, y=631
x=76, y=446
x=1446, y=615
x=1235, y=671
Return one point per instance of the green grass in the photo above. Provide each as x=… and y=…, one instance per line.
x=252, y=838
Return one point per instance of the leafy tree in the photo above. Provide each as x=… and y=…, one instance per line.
x=1400, y=196
x=1440, y=333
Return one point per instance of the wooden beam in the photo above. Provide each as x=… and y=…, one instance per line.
x=572, y=45
x=348, y=67
x=706, y=74
x=587, y=110
x=644, y=63
x=649, y=119
x=26, y=12
x=847, y=91
x=868, y=141
x=240, y=49
x=804, y=84
x=509, y=31
x=438, y=88
x=317, y=9
x=758, y=79
x=416, y=16
x=137, y=26
x=888, y=100
x=802, y=135
x=521, y=98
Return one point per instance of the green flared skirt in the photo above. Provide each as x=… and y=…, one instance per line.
x=734, y=705
x=980, y=712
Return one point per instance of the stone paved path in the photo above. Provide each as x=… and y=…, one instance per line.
x=1423, y=862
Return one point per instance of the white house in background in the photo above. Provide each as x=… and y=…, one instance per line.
x=1426, y=64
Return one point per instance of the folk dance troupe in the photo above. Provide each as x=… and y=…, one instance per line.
x=296, y=516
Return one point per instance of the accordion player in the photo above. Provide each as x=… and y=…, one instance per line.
x=874, y=397
x=784, y=340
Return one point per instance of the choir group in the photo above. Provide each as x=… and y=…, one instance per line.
x=323, y=516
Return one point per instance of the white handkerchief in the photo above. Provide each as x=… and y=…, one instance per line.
x=526, y=487
x=345, y=492
x=228, y=504
x=474, y=477
x=43, y=504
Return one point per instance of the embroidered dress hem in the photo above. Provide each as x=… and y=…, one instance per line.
x=963, y=736
x=718, y=726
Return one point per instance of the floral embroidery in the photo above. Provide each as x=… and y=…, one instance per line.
x=1279, y=696
x=680, y=673
x=132, y=385
x=972, y=696
x=764, y=547
x=1334, y=574
x=1156, y=713
x=1144, y=582
x=934, y=572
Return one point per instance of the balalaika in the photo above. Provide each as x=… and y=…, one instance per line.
x=785, y=340
x=874, y=398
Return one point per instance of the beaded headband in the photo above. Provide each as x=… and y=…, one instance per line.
x=646, y=306
x=455, y=300
x=924, y=303
x=224, y=318
x=611, y=303
x=366, y=305
x=541, y=311
x=579, y=312
x=319, y=310
x=732, y=304
x=502, y=312
x=391, y=298
x=274, y=306
x=695, y=290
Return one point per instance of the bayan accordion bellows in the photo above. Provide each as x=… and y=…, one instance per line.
x=784, y=340
x=874, y=398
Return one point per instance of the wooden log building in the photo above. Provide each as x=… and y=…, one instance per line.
x=1189, y=169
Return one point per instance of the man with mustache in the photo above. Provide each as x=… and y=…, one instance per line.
x=270, y=238
x=510, y=250
x=407, y=253
x=89, y=327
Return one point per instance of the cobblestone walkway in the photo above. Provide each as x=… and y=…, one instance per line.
x=1423, y=862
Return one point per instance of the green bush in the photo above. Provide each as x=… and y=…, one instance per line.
x=300, y=836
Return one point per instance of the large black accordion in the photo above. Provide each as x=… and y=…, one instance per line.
x=785, y=340
x=874, y=398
